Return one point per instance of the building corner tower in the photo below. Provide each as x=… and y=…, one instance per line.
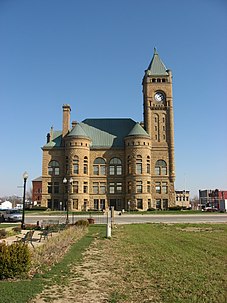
x=159, y=123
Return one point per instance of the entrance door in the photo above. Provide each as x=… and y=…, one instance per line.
x=116, y=203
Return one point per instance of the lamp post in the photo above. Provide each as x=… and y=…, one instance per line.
x=25, y=177
x=65, y=181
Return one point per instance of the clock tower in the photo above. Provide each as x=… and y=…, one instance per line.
x=158, y=114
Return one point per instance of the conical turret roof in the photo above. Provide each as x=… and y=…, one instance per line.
x=78, y=131
x=137, y=130
x=156, y=67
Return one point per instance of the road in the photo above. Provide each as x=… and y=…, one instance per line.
x=127, y=218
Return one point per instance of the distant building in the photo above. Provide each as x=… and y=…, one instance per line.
x=115, y=162
x=6, y=205
x=212, y=198
x=182, y=198
x=37, y=191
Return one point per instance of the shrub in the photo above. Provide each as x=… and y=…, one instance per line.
x=38, y=208
x=82, y=223
x=14, y=260
x=3, y=233
x=151, y=209
x=177, y=207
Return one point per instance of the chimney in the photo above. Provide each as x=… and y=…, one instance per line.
x=66, y=119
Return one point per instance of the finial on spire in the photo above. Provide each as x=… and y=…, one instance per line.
x=155, y=51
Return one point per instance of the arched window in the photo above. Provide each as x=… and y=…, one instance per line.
x=85, y=165
x=160, y=168
x=148, y=165
x=115, y=167
x=139, y=165
x=53, y=168
x=76, y=165
x=99, y=166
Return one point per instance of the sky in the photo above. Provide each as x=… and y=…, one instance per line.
x=92, y=54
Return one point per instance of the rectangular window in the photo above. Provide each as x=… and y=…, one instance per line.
x=148, y=168
x=164, y=188
x=158, y=187
x=76, y=169
x=85, y=187
x=102, y=169
x=119, y=187
x=95, y=188
x=140, y=203
x=164, y=170
x=75, y=187
x=96, y=204
x=102, y=203
x=57, y=171
x=139, y=186
x=85, y=169
x=50, y=171
x=165, y=203
x=95, y=169
x=111, y=188
x=49, y=187
x=158, y=203
x=75, y=203
x=157, y=171
x=139, y=168
x=102, y=188
x=111, y=170
x=119, y=170
x=85, y=204
x=149, y=203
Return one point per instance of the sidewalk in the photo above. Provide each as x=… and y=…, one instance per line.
x=35, y=238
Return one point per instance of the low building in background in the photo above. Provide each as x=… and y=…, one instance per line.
x=6, y=205
x=212, y=199
x=182, y=198
x=37, y=191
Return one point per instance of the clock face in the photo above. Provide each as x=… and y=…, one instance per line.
x=159, y=96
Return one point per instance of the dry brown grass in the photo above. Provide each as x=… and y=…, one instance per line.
x=52, y=251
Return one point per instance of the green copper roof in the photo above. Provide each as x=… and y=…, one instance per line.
x=156, y=67
x=103, y=133
x=107, y=132
x=138, y=131
x=56, y=141
x=78, y=131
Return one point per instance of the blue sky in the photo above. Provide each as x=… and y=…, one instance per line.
x=93, y=53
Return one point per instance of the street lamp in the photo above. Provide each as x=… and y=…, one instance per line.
x=25, y=177
x=65, y=181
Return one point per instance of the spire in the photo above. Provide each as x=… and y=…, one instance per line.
x=156, y=67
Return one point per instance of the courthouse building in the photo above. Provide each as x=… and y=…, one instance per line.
x=98, y=163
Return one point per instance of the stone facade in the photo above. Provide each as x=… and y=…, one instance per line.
x=133, y=171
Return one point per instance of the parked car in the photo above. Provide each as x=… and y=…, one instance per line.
x=12, y=215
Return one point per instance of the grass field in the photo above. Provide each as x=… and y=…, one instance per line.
x=143, y=262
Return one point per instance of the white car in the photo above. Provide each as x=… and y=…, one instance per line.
x=12, y=215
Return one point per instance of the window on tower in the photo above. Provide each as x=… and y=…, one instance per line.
x=139, y=164
x=76, y=165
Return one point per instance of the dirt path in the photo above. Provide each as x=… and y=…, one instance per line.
x=103, y=274
x=87, y=281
